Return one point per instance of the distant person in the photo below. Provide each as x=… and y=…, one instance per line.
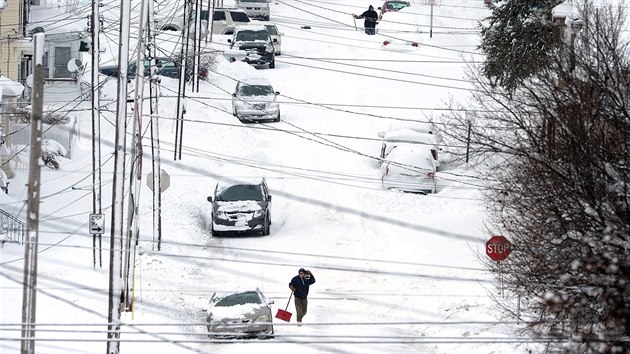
x=371, y=18
x=299, y=285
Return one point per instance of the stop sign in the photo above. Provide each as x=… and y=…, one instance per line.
x=498, y=248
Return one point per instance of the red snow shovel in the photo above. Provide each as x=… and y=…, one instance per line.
x=284, y=314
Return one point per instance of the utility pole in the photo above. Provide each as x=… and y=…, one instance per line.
x=32, y=218
x=135, y=172
x=96, y=128
x=181, y=92
x=116, y=238
x=155, y=134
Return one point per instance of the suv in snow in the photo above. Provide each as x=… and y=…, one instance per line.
x=225, y=20
x=258, y=9
x=257, y=44
x=254, y=99
x=241, y=206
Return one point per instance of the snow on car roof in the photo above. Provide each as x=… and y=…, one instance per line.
x=250, y=28
x=410, y=135
x=256, y=81
x=239, y=181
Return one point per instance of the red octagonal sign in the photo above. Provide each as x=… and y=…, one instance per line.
x=498, y=248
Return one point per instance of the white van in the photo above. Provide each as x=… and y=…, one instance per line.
x=255, y=9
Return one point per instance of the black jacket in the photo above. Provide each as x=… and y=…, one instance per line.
x=371, y=17
x=301, y=286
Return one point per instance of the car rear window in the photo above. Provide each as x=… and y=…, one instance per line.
x=239, y=16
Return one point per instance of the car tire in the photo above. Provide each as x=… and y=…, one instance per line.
x=278, y=53
x=214, y=232
x=272, y=65
x=267, y=227
x=277, y=119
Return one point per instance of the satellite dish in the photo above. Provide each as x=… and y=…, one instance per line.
x=75, y=65
x=29, y=81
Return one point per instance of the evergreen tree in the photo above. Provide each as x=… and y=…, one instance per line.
x=519, y=40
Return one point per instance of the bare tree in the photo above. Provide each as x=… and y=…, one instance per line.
x=561, y=189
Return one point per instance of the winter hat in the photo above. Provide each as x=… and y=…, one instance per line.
x=371, y=7
x=302, y=270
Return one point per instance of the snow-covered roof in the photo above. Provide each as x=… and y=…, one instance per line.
x=55, y=21
x=9, y=87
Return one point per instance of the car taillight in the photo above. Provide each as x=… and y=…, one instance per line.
x=415, y=45
x=385, y=42
x=431, y=174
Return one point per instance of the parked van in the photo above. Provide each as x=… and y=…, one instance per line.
x=255, y=9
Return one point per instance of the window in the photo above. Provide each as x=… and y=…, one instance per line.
x=239, y=16
x=218, y=16
x=62, y=57
x=272, y=30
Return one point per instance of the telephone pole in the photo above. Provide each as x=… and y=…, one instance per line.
x=96, y=127
x=135, y=171
x=155, y=134
x=32, y=218
x=116, y=245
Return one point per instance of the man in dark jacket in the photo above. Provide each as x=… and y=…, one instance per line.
x=371, y=18
x=299, y=285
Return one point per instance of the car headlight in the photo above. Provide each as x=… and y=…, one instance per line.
x=258, y=213
x=263, y=318
x=269, y=47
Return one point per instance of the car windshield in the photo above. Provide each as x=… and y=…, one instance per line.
x=239, y=16
x=248, y=35
x=256, y=90
x=249, y=297
x=396, y=5
x=241, y=192
x=271, y=29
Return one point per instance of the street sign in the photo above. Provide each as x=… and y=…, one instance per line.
x=97, y=224
x=498, y=248
x=165, y=180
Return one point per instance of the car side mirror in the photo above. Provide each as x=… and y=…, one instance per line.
x=275, y=40
x=270, y=302
x=378, y=8
x=229, y=40
x=210, y=199
x=277, y=93
x=233, y=95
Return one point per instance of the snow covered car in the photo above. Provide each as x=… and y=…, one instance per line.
x=276, y=36
x=165, y=67
x=400, y=30
x=258, y=9
x=409, y=169
x=407, y=136
x=256, y=44
x=254, y=99
x=240, y=314
x=241, y=206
